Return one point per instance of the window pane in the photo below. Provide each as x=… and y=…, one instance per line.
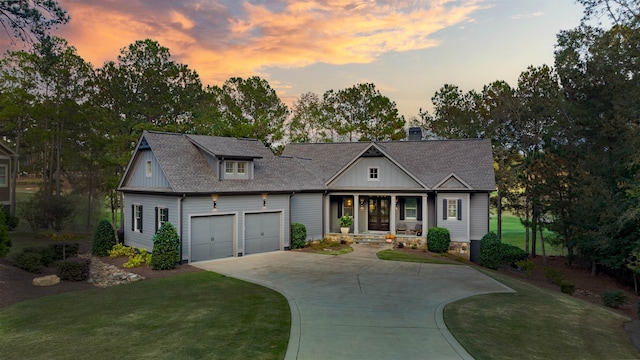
x=229, y=165
x=148, y=168
x=410, y=209
x=452, y=208
x=3, y=175
x=373, y=173
x=241, y=167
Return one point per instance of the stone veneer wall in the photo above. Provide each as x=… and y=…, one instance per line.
x=462, y=249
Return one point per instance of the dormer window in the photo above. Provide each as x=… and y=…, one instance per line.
x=229, y=167
x=235, y=169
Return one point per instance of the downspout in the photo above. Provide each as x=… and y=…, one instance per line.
x=324, y=234
x=180, y=224
x=290, y=240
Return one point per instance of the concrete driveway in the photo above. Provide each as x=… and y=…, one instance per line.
x=355, y=306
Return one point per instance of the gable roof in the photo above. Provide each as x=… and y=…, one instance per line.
x=183, y=163
x=431, y=161
x=4, y=148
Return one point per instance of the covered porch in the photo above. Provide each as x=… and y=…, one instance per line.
x=376, y=214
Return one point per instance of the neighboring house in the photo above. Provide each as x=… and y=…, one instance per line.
x=7, y=157
x=233, y=197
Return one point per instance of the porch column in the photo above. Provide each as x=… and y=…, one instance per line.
x=392, y=215
x=425, y=215
x=327, y=214
x=356, y=211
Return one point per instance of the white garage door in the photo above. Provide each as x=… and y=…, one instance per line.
x=211, y=237
x=262, y=233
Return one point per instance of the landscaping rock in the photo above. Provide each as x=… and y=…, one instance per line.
x=105, y=275
x=48, y=280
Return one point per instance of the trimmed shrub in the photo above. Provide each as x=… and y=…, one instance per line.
x=46, y=254
x=121, y=250
x=138, y=259
x=29, y=261
x=438, y=240
x=298, y=235
x=567, y=288
x=166, y=248
x=74, y=269
x=553, y=276
x=614, y=298
x=104, y=239
x=526, y=265
x=64, y=250
x=494, y=253
x=5, y=242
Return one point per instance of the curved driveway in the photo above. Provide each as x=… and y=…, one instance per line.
x=355, y=306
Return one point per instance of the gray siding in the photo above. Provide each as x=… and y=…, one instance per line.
x=459, y=229
x=149, y=203
x=390, y=176
x=307, y=210
x=138, y=174
x=479, y=215
x=237, y=205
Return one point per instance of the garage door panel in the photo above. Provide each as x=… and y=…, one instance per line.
x=211, y=237
x=262, y=233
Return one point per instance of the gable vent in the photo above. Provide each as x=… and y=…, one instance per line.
x=372, y=152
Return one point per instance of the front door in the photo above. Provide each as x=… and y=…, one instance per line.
x=379, y=213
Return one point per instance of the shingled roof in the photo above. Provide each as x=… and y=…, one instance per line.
x=431, y=161
x=185, y=166
x=310, y=166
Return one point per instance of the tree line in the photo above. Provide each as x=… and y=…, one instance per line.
x=565, y=137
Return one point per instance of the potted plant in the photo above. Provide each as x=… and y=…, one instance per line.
x=345, y=223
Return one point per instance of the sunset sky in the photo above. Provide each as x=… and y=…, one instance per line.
x=407, y=48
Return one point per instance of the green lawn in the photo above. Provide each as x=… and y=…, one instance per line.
x=513, y=233
x=200, y=315
x=535, y=323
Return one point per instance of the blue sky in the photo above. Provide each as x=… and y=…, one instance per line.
x=407, y=48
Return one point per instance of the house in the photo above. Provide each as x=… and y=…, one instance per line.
x=7, y=159
x=234, y=197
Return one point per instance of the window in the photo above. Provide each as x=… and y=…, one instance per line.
x=242, y=168
x=3, y=176
x=411, y=209
x=148, y=169
x=452, y=208
x=229, y=167
x=136, y=218
x=162, y=216
x=373, y=174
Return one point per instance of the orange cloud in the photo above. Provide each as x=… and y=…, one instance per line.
x=232, y=38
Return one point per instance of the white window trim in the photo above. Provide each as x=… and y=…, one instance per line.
x=244, y=168
x=160, y=209
x=226, y=167
x=147, y=170
x=6, y=175
x=136, y=211
x=407, y=208
x=455, y=207
x=369, y=178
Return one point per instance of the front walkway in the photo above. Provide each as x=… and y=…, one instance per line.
x=355, y=306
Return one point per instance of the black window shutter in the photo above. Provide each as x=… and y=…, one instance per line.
x=459, y=209
x=141, y=222
x=401, y=204
x=444, y=209
x=419, y=203
x=156, y=219
x=339, y=207
x=133, y=217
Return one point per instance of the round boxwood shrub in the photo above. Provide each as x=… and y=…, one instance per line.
x=29, y=261
x=104, y=239
x=74, y=269
x=298, y=235
x=166, y=248
x=494, y=253
x=438, y=240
